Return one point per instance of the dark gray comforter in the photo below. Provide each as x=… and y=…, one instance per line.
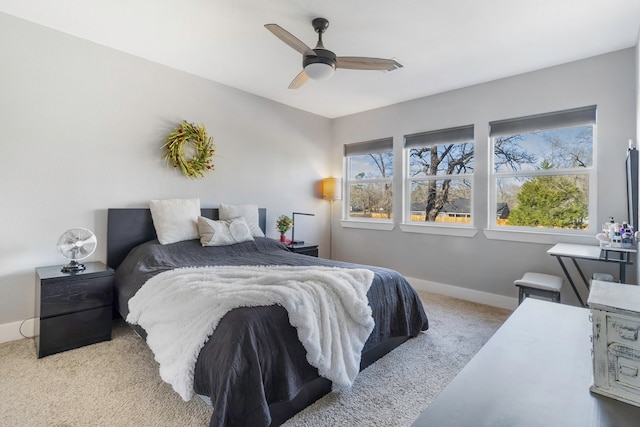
x=254, y=358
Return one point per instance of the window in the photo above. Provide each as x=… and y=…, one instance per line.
x=439, y=177
x=543, y=171
x=369, y=186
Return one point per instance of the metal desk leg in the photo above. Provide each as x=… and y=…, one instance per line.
x=584, y=279
x=573, y=285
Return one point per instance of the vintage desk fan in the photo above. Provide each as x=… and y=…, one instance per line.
x=76, y=244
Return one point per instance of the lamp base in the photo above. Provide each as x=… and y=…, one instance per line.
x=297, y=242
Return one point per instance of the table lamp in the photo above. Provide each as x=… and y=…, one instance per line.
x=293, y=228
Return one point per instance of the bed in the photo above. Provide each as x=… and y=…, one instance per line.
x=253, y=368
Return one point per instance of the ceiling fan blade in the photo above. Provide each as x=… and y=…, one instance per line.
x=364, y=63
x=290, y=39
x=300, y=79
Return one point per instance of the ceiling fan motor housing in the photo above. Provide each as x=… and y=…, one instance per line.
x=320, y=62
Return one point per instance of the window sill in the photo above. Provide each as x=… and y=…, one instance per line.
x=370, y=225
x=539, y=237
x=443, y=230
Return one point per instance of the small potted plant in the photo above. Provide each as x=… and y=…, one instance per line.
x=283, y=224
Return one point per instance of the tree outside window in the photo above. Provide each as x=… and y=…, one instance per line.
x=369, y=186
x=439, y=177
x=547, y=187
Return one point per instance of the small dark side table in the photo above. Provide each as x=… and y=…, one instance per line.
x=302, y=248
x=72, y=309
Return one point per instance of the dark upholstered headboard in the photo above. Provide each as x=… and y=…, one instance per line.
x=130, y=227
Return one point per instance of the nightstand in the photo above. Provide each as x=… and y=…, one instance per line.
x=305, y=249
x=72, y=309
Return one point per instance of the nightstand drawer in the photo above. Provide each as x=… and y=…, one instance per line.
x=304, y=249
x=310, y=252
x=70, y=296
x=61, y=333
x=624, y=330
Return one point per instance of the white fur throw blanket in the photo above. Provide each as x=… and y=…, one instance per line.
x=180, y=309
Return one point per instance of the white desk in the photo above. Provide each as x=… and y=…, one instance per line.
x=591, y=253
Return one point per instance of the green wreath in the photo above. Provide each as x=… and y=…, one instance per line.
x=188, y=134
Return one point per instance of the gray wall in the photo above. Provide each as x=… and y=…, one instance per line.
x=81, y=130
x=479, y=263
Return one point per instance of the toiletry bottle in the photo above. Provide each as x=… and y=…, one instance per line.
x=612, y=228
x=626, y=234
x=616, y=239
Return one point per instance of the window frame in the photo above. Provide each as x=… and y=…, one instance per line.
x=455, y=135
x=584, y=116
x=382, y=145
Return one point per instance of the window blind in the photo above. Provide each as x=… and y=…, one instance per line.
x=443, y=136
x=556, y=120
x=366, y=147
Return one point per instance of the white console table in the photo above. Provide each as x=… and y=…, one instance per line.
x=535, y=371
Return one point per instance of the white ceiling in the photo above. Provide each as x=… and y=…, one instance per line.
x=443, y=44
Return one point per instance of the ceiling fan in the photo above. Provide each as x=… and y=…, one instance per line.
x=319, y=63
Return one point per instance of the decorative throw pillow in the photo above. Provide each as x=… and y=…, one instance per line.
x=175, y=220
x=249, y=212
x=223, y=232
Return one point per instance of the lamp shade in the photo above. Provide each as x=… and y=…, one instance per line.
x=331, y=189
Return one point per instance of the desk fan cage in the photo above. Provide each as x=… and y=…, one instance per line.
x=76, y=244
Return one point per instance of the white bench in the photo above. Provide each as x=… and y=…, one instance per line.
x=540, y=284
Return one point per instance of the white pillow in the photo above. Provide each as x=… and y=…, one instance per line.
x=249, y=212
x=224, y=232
x=175, y=220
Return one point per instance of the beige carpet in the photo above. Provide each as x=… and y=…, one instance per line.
x=116, y=383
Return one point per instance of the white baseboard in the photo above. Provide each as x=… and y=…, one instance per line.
x=487, y=298
x=11, y=331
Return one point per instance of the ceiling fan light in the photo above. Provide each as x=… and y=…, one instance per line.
x=319, y=71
